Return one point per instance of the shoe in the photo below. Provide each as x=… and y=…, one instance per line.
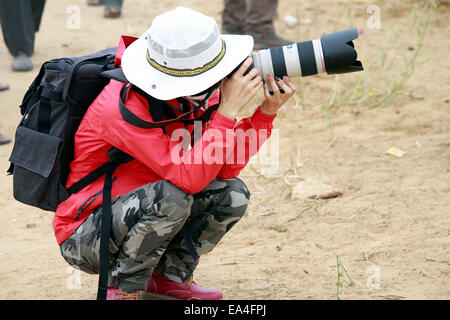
x=4, y=139
x=94, y=2
x=4, y=86
x=112, y=10
x=161, y=288
x=118, y=294
x=22, y=62
x=266, y=40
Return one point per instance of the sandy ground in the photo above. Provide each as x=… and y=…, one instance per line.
x=391, y=226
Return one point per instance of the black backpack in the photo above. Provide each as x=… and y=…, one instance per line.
x=52, y=110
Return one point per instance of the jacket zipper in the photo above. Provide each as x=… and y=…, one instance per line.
x=86, y=203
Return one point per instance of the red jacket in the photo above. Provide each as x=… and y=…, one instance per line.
x=103, y=127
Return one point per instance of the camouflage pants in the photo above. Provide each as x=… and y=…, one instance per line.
x=145, y=233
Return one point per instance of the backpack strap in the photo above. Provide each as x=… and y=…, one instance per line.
x=115, y=74
x=31, y=92
x=117, y=157
x=45, y=110
x=105, y=233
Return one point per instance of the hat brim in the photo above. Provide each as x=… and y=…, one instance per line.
x=162, y=86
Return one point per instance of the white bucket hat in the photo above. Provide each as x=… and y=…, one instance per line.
x=182, y=54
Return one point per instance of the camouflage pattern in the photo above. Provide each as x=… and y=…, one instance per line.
x=145, y=235
x=214, y=211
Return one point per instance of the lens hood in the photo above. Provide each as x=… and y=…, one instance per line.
x=339, y=53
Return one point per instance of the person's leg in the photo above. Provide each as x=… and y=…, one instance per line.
x=233, y=17
x=94, y=2
x=259, y=24
x=144, y=221
x=164, y=210
x=113, y=8
x=18, y=28
x=37, y=9
x=214, y=211
x=113, y=1
x=260, y=15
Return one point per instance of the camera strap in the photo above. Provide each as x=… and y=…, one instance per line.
x=159, y=107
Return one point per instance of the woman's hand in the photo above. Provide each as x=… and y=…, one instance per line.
x=239, y=90
x=273, y=103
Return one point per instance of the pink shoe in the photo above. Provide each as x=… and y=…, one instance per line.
x=161, y=288
x=118, y=294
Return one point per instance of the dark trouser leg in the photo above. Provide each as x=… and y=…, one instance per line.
x=233, y=16
x=144, y=221
x=116, y=1
x=260, y=15
x=38, y=10
x=214, y=211
x=18, y=24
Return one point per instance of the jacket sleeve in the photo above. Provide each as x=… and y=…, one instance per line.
x=250, y=135
x=191, y=170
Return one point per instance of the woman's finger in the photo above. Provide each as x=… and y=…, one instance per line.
x=290, y=83
x=256, y=89
x=251, y=74
x=273, y=84
x=286, y=88
x=244, y=67
x=266, y=91
x=255, y=81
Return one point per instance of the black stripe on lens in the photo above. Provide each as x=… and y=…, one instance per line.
x=307, y=58
x=278, y=62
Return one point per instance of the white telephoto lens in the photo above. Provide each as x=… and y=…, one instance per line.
x=266, y=63
x=292, y=60
x=265, y=59
x=318, y=54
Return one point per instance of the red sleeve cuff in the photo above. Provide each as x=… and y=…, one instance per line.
x=260, y=116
